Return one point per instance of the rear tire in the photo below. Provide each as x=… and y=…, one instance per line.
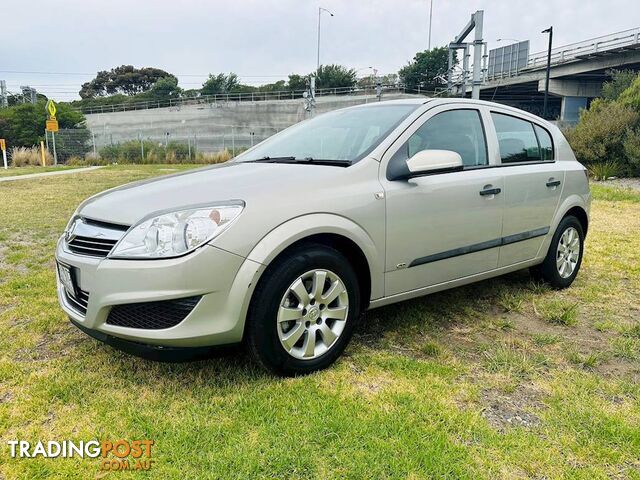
x=303, y=311
x=563, y=260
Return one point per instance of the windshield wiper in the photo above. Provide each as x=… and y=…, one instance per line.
x=307, y=160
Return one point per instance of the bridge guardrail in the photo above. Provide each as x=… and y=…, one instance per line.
x=592, y=46
x=568, y=53
x=240, y=97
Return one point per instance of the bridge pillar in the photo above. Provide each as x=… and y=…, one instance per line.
x=571, y=106
x=575, y=95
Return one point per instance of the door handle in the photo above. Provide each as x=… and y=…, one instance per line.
x=553, y=183
x=490, y=191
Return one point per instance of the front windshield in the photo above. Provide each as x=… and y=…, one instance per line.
x=342, y=135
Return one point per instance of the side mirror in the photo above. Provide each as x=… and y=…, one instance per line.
x=430, y=161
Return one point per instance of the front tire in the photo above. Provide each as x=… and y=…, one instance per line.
x=304, y=311
x=563, y=260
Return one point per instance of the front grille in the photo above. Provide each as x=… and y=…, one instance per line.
x=152, y=315
x=93, y=238
x=79, y=302
x=91, y=246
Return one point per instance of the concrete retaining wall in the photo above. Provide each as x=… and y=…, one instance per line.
x=212, y=127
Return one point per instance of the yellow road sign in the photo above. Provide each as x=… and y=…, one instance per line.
x=52, y=109
x=3, y=144
x=51, y=125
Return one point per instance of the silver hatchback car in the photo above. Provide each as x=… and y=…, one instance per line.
x=287, y=244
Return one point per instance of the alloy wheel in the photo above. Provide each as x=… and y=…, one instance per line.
x=312, y=314
x=568, y=252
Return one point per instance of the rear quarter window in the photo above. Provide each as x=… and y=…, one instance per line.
x=546, y=144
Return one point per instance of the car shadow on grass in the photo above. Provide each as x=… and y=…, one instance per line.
x=439, y=312
x=406, y=321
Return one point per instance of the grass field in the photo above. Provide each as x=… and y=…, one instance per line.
x=10, y=172
x=501, y=379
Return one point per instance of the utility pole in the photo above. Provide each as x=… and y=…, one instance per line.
x=320, y=10
x=430, y=18
x=4, y=102
x=546, y=80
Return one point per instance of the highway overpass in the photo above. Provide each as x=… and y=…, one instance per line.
x=577, y=73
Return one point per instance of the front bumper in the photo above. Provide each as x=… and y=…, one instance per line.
x=224, y=280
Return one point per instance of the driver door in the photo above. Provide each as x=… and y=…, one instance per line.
x=443, y=226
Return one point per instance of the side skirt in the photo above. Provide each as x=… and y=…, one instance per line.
x=381, y=302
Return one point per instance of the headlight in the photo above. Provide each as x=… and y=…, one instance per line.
x=173, y=234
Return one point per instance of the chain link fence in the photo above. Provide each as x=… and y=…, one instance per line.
x=142, y=147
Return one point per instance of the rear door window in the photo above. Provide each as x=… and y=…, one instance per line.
x=516, y=138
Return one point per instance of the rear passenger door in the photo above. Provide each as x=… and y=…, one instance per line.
x=533, y=184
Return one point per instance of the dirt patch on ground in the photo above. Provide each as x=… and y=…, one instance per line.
x=514, y=409
x=50, y=346
x=619, y=368
x=6, y=397
x=633, y=183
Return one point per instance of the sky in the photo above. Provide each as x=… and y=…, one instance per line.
x=57, y=46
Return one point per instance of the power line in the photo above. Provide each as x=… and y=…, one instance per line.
x=176, y=74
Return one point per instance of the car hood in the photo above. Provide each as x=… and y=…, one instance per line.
x=249, y=182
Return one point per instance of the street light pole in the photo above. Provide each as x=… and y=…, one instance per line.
x=430, y=17
x=320, y=10
x=546, y=81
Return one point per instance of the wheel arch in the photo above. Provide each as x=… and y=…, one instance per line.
x=572, y=205
x=333, y=231
x=581, y=214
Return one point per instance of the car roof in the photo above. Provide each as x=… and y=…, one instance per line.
x=403, y=101
x=435, y=101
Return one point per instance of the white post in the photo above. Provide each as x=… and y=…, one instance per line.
x=55, y=155
x=4, y=159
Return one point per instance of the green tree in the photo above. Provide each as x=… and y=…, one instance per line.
x=23, y=125
x=124, y=79
x=220, y=83
x=297, y=82
x=335, y=76
x=164, y=89
x=427, y=69
x=620, y=81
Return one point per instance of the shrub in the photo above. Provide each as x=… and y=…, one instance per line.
x=110, y=152
x=29, y=157
x=179, y=152
x=603, y=171
x=620, y=81
x=631, y=96
x=210, y=158
x=155, y=153
x=631, y=147
x=90, y=160
x=601, y=134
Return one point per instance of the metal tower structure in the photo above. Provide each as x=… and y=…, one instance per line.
x=479, y=58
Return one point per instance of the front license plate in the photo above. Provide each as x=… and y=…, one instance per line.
x=66, y=278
